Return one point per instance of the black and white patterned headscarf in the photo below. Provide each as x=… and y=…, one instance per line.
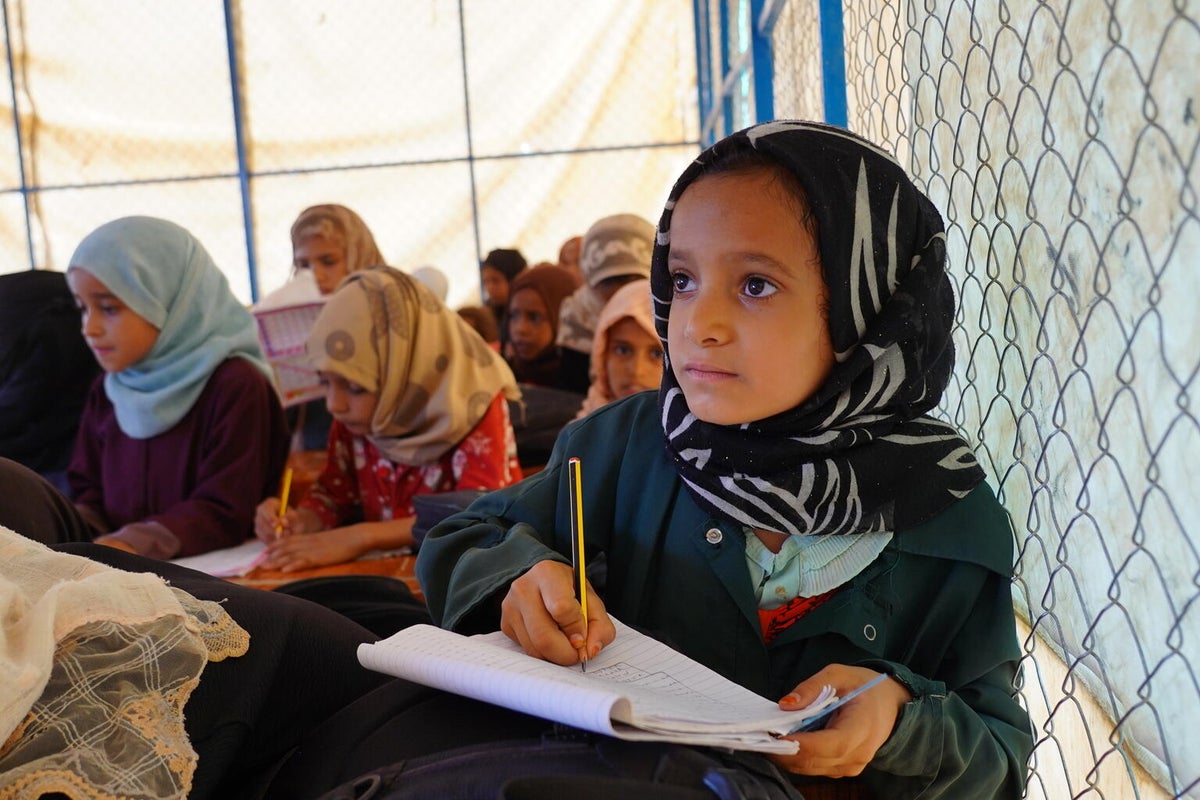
x=858, y=456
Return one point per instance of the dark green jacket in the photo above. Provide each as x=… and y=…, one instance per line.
x=934, y=609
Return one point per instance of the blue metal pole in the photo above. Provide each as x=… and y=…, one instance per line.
x=235, y=85
x=25, y=189
x=704, y=92
x=462, y=37
x=833, y=62
x=764, y=63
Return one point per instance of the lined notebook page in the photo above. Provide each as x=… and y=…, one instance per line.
x=636, y=681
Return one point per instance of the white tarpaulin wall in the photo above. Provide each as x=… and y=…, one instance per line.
x=508, y=124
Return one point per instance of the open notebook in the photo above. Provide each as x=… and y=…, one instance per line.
x=637, y=688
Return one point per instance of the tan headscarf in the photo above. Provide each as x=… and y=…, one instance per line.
x=631, y=301
x=361, y=250
x=434, y=375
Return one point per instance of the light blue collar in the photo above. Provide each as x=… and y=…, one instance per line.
x=808, y=565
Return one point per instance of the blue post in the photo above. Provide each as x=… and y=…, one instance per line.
x=763, y=14
x=24, y=189
x=833, y=62
x=239, y=133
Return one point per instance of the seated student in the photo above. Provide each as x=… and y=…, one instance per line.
x=616, y=250
x=626, y=352
x=533, y=307
x=568, y=256
x=783, y=510
x=184, y=433
x=332, y=241
x=152, y=680
x=329, y=241
x=419, y=404
x=45, y=372
x=497, y=271
x=484, y=323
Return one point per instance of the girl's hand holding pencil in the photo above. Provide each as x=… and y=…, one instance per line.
x=274, y=520
x=541, y=614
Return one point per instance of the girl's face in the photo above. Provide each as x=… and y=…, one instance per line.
x=529, y=328
x=325, y=256
x=118, y=337
x=747, y=333
x=495, y=287
x=633, y=359
x=349, y=403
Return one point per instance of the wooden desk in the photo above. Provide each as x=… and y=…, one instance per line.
x=396, y=566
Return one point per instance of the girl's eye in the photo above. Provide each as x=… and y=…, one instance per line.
x=109, y=310
x=355, y=389
x=323, y=382
x=622, y=349
x=681, y=281
x=760, y=287
x=657, y=354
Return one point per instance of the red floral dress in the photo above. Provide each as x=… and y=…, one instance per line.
x=359, y=483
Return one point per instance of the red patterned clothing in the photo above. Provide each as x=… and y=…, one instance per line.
x=359, y=483
x=774, y=620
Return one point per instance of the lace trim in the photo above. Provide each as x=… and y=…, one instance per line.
x=109, y=723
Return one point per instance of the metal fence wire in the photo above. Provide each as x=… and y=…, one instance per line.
x=1060, y=141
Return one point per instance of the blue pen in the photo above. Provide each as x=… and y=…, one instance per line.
x=811, y=724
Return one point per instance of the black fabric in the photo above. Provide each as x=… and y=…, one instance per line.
x=46, y=369
x=408, y=741
x=246, y=713
x=381, y=604
x=574, y=370
x=858, y=456
x=537, y=419
x=430, y=509
x=312, y=421
x=30, y=506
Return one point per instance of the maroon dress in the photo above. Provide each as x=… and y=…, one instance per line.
x=203, y=478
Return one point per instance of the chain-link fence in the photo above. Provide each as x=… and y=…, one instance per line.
x=1060, y=141
x=450, y=127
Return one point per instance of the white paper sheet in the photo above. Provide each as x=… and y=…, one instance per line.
x=636, y=688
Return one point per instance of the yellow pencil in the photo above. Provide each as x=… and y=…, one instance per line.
x=580, y=572
x=284, y=487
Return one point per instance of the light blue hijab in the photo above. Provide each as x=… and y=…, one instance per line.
x=166, y=277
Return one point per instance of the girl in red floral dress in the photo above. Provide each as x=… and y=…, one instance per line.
x=419, y=403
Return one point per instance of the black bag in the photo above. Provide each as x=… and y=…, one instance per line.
x=381, y=604
x=576, y=765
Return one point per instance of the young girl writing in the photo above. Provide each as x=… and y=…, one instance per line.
x=783, y=510
x=184, y=434
x=419, y=404
x=626, y=352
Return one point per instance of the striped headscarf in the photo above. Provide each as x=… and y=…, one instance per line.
x=860, y=455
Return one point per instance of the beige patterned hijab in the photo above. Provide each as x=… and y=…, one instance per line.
x=434, y=375
x=332, y=219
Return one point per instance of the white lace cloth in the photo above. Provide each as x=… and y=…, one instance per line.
x=96, y=665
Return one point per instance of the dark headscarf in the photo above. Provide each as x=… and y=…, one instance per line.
x=859, y=455
x=553, y=284
x=46, y=369
x=509, y=262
